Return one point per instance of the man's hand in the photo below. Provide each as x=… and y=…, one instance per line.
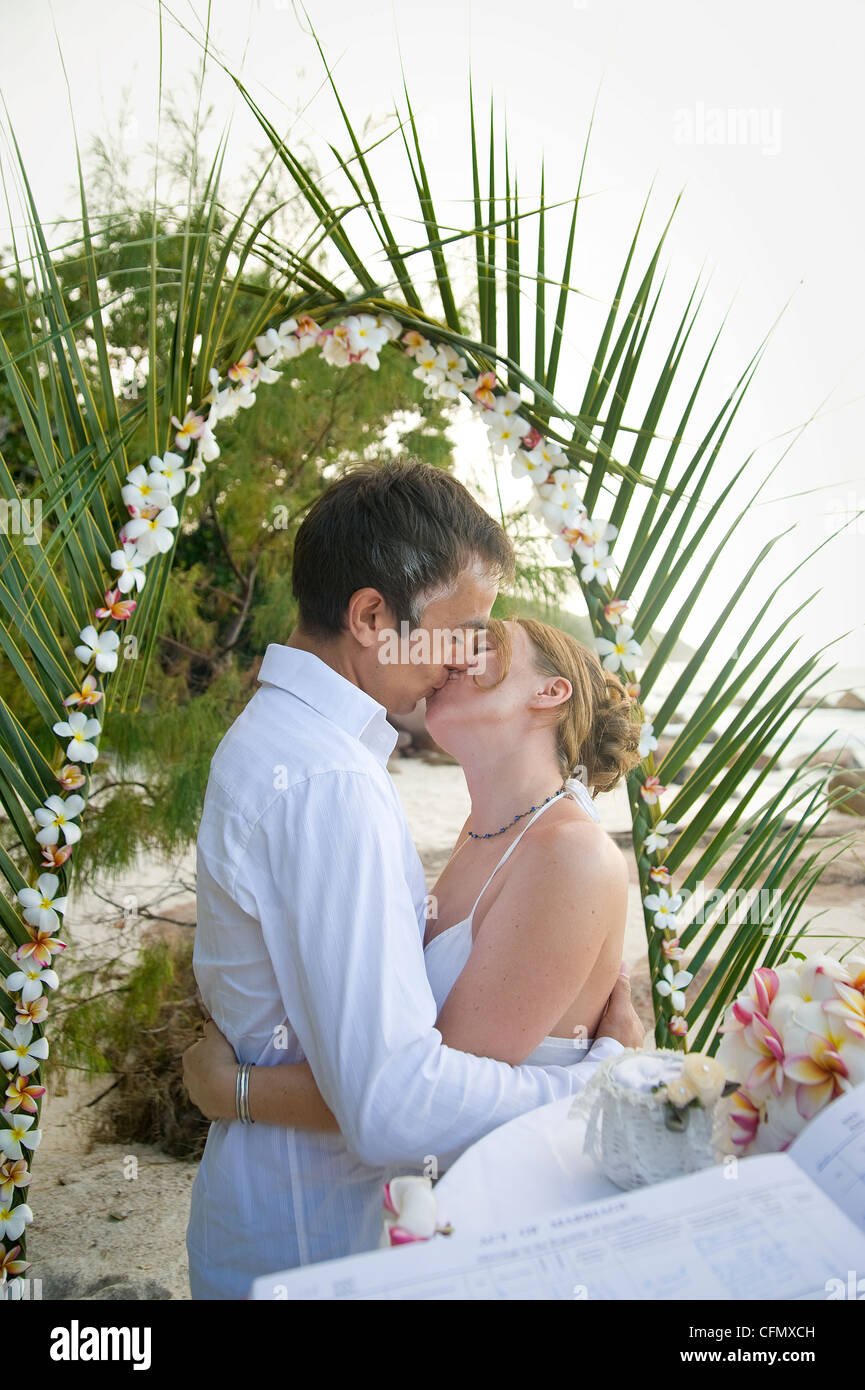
x=619, y=1019
x=210, y=1074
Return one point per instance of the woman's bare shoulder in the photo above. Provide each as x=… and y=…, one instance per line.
x=574, y=852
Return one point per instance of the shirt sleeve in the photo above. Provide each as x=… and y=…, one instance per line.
x=324, y=870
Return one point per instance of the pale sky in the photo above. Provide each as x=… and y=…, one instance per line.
x=773, y=201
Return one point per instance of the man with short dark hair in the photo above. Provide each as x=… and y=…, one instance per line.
x=311, y=895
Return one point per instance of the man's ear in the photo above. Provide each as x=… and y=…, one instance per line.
x=553, y=692
x=367, y=616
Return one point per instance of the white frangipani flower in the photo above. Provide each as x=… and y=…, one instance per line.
x=505, y=431
x=58, y=813
x=20, y=1130
x=24, y=1053
x=365, y=337
x=594, y=533
x=547, y=455
x=222, y=403
x=153, y=534
x=658, y=837
x=621, y=652
x=30, y=981
x=598, y=567
x=664, y=905
x=40, y=905
x=391, y=326
x=672, y=984
x=195, y=470
x=79, y=729
x=170, y=469
x=562, y=510
x=525, y=465
x=648, y=742
x=562, y=482
x=130, y=562
x=101, y=645
x=13, y=1219
x=145, y=489
x=278, y=343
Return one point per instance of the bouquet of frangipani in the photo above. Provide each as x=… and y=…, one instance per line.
x=794, y=1039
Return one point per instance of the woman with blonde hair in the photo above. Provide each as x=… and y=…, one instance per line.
x=525, y=944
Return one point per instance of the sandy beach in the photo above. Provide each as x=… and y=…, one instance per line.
x=111, y=1218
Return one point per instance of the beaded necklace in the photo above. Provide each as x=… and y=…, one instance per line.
x=491, y=834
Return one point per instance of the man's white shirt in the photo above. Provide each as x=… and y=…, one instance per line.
x=309, y=945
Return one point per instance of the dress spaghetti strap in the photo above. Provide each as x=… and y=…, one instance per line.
x=573, y=787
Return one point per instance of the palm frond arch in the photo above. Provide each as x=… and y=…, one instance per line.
x=113, y=509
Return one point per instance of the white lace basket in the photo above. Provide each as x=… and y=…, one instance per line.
x=626, y=1132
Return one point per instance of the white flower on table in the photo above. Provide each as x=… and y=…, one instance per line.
x=79, y=730
x=24, y=1053
x=101, y=645
x=58, y=813
x=672, y=984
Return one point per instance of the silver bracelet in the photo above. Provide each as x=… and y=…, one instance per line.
x=242, y=1093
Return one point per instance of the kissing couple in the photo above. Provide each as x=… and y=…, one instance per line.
x=354, y=1036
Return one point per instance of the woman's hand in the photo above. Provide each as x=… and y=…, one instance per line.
x=210, y=1074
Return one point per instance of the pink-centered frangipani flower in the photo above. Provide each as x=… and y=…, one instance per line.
x=651, y=790
x=13, y=1173
x=767, y=1075
x=89, y=693
x=659, y=873
x=849, y=1007
x=55, y=856
x=191, y=426
x=678, y=1026
x=41, y=947
x=21, y=1092
x=484, y=390
x=10, y=1264
x=744, y=1118
x=31, y=1010
x=821, y=1073
x=117, y=608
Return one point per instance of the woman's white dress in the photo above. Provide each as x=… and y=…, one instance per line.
x=446, y=954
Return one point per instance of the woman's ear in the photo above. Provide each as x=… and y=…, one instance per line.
x=554, y=691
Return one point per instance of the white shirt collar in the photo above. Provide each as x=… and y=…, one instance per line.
x=315, y=683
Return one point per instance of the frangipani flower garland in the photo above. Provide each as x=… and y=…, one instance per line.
x=149, y=532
